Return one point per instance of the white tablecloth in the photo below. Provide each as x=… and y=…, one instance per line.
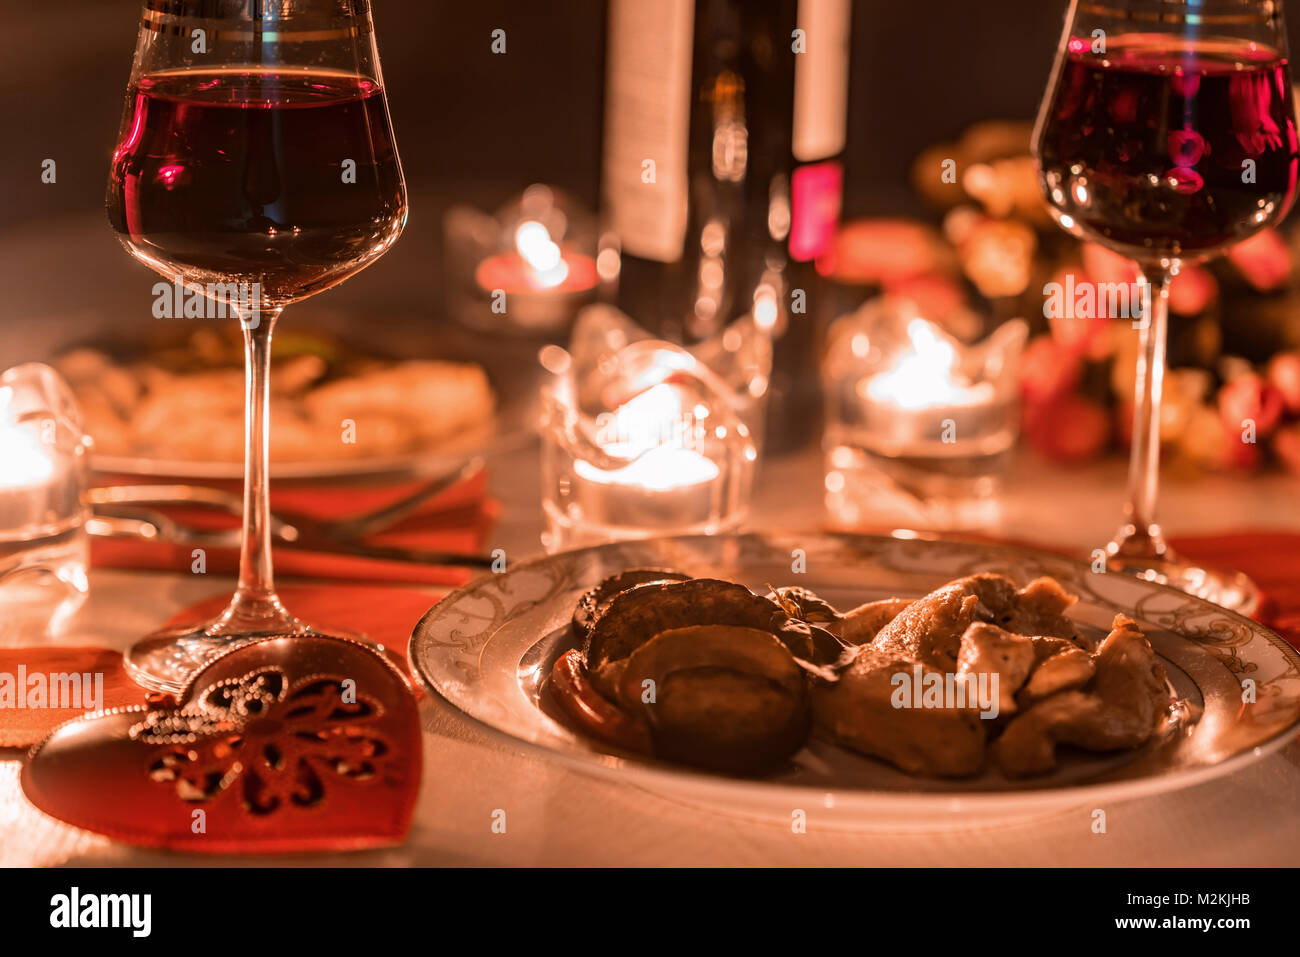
x=558, y=817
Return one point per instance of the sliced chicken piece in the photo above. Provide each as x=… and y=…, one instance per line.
x=929, y=630
x=860, y=712
x=989, y=650
x=928, y=633
x=1039, y=609
x=863, y=623
x=1059, y=665
x=1119, y=708
x=1130, y=676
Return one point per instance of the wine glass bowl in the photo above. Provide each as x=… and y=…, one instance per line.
x=256, y=165
x=285, y=178
x=1169, y=149
x=1167, y=134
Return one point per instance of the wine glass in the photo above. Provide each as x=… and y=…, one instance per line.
x=256, y=165
x=1167, y=134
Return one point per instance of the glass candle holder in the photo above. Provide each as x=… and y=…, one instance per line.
x=642, y=437
x=43, y=475
x=920, y=427
x=526, y=270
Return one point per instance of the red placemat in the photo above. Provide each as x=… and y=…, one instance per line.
x=458, y=520
x=1271, y=559
x=382, y=614
x=33, y=679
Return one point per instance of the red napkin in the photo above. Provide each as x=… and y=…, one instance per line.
x=457, y=521
x=381, y=614
x=1271, y=559
x=27, y=668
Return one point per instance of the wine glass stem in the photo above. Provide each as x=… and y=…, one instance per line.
x=1141, y=536
x=255, y=603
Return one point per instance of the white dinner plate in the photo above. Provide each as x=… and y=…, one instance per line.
x=488, y=648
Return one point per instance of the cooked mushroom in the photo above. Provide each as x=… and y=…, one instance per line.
x=638, y=614
x=721, y=697
x=595, y=602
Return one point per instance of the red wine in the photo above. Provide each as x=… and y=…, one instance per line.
x=1146, y=147
x=243, y=176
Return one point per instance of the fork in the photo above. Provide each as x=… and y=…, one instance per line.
x=122, y=511
x=286, y=525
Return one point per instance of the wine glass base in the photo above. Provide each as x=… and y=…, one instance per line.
x=166, y=660
x=1231, y=590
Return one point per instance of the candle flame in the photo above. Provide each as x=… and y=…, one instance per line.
x=926, y=376
x=655, y=434
x=24, y=461
x=533, y=240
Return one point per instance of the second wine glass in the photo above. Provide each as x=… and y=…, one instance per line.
x=255, y=165
x=1167, y=134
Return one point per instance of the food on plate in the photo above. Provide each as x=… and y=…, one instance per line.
x=640, y=613
x=707, y=673
x=1118, y=708
x=719, y=696
x=187, y=404
x=595, y=602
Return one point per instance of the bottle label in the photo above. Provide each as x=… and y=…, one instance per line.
x=815, y=192
x=647, y=125
x=821, y=80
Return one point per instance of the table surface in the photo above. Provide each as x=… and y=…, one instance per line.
x=556, y=816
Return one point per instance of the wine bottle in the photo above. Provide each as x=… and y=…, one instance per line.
x=722, y=172
x=798, y=92
x=674, y=161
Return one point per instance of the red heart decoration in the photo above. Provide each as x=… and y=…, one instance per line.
x=283, y=744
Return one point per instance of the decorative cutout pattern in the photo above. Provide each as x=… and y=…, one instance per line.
x=280, y=744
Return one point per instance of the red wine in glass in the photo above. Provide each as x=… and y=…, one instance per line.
x=284, y=177
x=264, y=167
x=1167, y=134
x=1170, y=150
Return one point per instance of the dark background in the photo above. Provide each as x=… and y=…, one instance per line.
x=471, y=125
x=921, y=72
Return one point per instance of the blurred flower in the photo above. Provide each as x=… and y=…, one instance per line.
x=1284, y=375
x=1249, y=398
x=1263, y=260
x=1048, y=371
x=1070, y=429
x=884, y=250
x=1207, y=442
x=1193, y=290
x=1286, y=446
x=998, y=257
x=1088, y=336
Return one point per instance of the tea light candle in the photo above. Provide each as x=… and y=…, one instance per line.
x=540, y=278
x=25, y=463
x=920, y=427
x=654, y=434
x=669, y=456
x=924, y=394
